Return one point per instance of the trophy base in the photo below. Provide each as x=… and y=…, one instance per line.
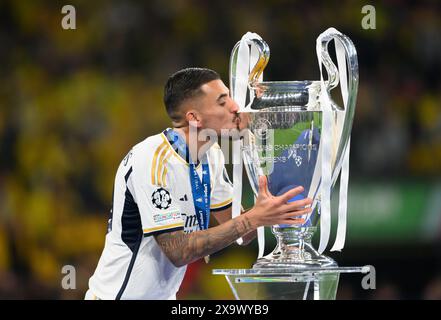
x=295, y=258
x=294, y=250
x=293, y=271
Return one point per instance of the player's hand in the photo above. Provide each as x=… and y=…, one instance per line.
x=270, y=210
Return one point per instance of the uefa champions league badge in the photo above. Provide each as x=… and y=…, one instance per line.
x=161, y=199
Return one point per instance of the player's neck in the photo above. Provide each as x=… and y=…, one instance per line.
x=196, y=147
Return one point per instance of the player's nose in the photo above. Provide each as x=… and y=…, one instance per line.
x=234, y=107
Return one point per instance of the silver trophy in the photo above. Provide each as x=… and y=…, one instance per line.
x=298, y=136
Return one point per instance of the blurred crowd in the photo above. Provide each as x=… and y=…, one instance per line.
x=73, y=102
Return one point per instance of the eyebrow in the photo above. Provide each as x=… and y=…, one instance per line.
x=223, y=95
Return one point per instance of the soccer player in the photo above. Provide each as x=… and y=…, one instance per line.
x=165, y=190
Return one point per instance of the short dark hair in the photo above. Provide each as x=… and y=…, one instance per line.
x=185, y=84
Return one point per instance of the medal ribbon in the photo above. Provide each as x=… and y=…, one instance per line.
x=200, y=188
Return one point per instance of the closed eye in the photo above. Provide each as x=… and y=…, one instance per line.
x=221, y=99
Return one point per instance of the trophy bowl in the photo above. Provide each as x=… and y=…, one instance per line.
x=283, y=145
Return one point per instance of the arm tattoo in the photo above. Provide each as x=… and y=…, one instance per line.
x=183, y=248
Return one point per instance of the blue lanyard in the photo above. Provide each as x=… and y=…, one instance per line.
x=201, y=188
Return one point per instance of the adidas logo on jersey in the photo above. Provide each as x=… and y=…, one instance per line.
x=184, y=198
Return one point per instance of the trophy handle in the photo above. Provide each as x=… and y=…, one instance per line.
x=264, y=54
x=256, y=72
x=345, y=114
x=333, y=73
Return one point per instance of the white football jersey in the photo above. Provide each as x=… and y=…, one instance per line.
x=152, y=194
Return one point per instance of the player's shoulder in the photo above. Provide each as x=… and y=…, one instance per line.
x=142, y=154
x=147, y=148
x=151, y=157
x=150, y=142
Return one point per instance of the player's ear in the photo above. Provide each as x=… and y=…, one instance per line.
x=193, y=117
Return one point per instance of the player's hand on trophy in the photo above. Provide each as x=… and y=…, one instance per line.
x=271, y=210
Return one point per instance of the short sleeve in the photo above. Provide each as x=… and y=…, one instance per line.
x=222, y=192
x=158, y=210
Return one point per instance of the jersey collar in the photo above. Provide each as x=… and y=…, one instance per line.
x=179, y=145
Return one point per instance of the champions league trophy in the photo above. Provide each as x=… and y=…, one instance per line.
x=297, y=136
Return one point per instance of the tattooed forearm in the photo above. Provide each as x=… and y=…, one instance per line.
x=183, y=248
x=250, y=236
